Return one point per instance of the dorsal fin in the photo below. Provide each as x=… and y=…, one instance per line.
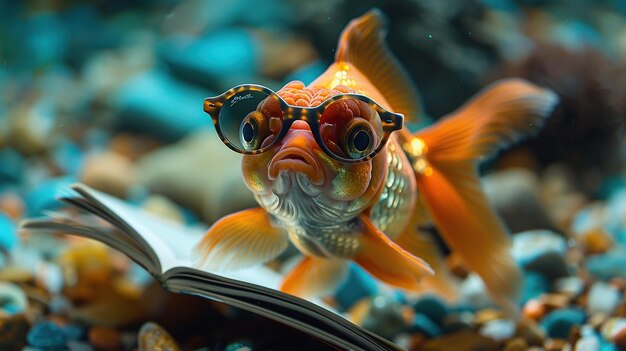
x=362, y=44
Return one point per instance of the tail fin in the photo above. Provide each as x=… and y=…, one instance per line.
x=499, y=116
x=362, y=44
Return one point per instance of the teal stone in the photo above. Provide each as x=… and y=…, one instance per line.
x=11, y=165
x=559, y=323
x=607, y=266
x=432, y=307
x=47, y=336
x=239, y=346
x=45, y=195
x=8, y=234
x=358, y=284
x=422, y=323
x=535, y=284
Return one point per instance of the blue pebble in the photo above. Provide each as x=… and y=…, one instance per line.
x=68, y=156
x=74, y=332
x=432, y=307
x=421, y=323
x=8, y=234
x=225, y=53
x=239, y=346
x=44, y=196
x=607, y=266
x=47, y=336
x=559, y=323
x=11, y=165
x=535, y=284
x=359, y=284
x=154, y=102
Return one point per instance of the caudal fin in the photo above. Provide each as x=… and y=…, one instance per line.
x=449, y=184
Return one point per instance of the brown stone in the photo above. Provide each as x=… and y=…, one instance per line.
x=461, y=341
x=105, y=339
x=153, y=337
x=516, y=344
x=488, y=315
x=531, y=332
x=13, y=332
x=595, y=241
x=109, y=172
x=534, y=309
x=619, y=338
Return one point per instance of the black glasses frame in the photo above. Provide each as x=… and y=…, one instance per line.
x=390, y=121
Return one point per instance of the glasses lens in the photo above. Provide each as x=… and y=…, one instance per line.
x=351, y=129
x=251, y=120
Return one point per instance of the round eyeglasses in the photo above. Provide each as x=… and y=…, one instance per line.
x=250, y=119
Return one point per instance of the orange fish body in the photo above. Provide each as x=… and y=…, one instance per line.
x=369, y=212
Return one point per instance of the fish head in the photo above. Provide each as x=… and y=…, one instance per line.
x=299, y=155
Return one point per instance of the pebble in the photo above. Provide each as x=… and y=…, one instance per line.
x=534, y=309
x=433, y=307
x=13, y=300
x=458, y=321
x=609, y=265
x=109, y=172
x=179, y=172
x=499, y=329
x=11, y=165
x=541, y=251
x=572, y=286
x=46, y=335
x=358, y=285
x=239, y=346
x=163, y=207
x=559, y=323
x=513, y=193
x=516, y=344
x=603, y=298
x=589, y=340
x=595, y=241
x=155, y=103
x=44, y=195
x=461, y=341
x=8, y=234
x=105, y=338
x=13, y=331
x=612, y=326
x=153, y=337
x=385, y=316
x=474, y=293
x=423, y=324
x=12, y=205
x=619, y=337
x=535, y=284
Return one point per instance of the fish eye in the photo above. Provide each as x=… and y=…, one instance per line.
x=253, y=130
x=359, y=138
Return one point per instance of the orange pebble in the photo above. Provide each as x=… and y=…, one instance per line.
x=619, y=339
x=534, y=309
x=105, y=338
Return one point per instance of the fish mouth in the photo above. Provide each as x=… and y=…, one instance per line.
x=298, y=160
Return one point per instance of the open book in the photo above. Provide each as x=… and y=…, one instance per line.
x=164, y=249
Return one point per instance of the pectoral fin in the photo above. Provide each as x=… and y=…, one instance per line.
x=387, y=261
x=422, y=245
x=315, y=277
x=240, y=240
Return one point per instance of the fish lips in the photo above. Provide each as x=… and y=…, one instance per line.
x=297, y=160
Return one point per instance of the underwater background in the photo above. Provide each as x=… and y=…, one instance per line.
x=109, y=93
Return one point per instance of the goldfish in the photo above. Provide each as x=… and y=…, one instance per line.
x=337, y=174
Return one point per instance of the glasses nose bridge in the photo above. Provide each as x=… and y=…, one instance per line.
x=305, y=114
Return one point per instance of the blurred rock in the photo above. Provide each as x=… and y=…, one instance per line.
x=461, y=341
x=474, y=293
x=535, y=284
x=13, y=331
x=12, y=205
x=572, y=286
x=530, y=332
x=105, y=338
x=164, y=208
x=358, y=285
x=11, y=165
x=499, y=329
x=431, y=306
x=612, y=327
x=67, y=156
x=155, y=103
x=44, y=196
x=384, y=316
x=541, y=251
x=514, y=194
x=589, y=340
x=8, y=233
x=199, y=173
x=12, y=298
x=152, y=336
x=603, y=298
x=534, y=309
x=109, y=172
x=47, y=336
x=595, y=241
x=458, y=321
x=619, y=337
x=424, y=324
x=608, y=265
x=560, y=322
